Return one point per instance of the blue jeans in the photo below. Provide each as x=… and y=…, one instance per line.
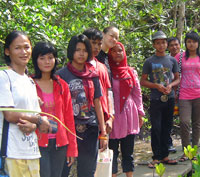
x=161, y=116
x=127, y=146
x=52, y=160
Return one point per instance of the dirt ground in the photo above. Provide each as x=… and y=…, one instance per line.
x=143, y=152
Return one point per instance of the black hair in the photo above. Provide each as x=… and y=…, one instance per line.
x=8, y=41
x=93, y=34
x=169, y=40
x=40, y=49
x=194, y=36
x=108, y=29
x=73, y=43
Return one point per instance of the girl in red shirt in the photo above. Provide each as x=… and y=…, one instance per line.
x=55, y=99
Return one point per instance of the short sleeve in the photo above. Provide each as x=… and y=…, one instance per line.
x=97, y=87
x=6, y=99
x=175, y=66
x=146, y=67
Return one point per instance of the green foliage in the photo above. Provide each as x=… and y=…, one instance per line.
x=196, y=166
x=190, y=152
x=160, y=169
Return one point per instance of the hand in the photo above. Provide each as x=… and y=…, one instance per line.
x=109, y=125
x=141, y=122
x=70, y=161
x=44, y=125
x=26, y=127
x=161, y=88
x=103, y=139
x=168, y=89
x=103, y=144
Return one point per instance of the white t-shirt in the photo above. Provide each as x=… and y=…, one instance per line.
x=23, y=96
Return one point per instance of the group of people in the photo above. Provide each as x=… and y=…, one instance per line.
x=97, y=96
x=173, y=79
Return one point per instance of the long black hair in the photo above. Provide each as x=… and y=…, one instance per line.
x=8, y=41
x=194, y=36
x=40, y=49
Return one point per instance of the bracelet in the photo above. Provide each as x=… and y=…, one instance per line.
x=111, y=116
x=103, y=137
x=39, y=122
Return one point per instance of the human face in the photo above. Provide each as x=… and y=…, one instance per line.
x=46, y=62
x=96, y=46
x=19, y=51
x=174, y=47
x=191, y=45
x=111, y=37
x=80, y=56
x=117, y=53
x=160, y=45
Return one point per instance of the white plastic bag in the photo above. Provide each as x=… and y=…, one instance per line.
x=104, y=163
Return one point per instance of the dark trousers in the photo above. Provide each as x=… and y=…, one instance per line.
x=127, y=146
x=161, y=116
x=52, y=160
x=87, y=153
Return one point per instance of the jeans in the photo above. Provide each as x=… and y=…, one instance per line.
x=189, y=110
x=87, y=152
x=127, y=146
x=52, y=160
x=161, y=116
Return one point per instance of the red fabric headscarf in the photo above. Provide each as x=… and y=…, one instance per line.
x=86, y=75
x=124, y=73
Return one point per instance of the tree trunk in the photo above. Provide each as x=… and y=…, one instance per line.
x=181, y=19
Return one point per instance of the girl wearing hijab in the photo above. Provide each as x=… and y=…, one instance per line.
x=128, y=109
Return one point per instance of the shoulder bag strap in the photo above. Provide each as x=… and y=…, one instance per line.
x=180, y=62
x=179, y=70
x=4, y=140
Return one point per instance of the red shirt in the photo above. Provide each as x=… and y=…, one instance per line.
x=64, y=111
x=105, y=84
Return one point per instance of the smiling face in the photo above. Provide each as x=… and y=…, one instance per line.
x=111, y=37
x=19, y=51
x=174, y=47
x=117, y=53
x=46, y=62
x=80, y=56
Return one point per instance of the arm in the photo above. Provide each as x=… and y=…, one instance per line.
x=146, y=83
x=72, y=149
x=16, y=117
x=110, y=120
x=137, y=96
x=175, y=82
x=99, y=112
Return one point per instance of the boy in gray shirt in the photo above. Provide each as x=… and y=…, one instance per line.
x=157, y=75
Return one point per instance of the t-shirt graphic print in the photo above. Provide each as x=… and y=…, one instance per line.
x=79, y=100
x=160, y=74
